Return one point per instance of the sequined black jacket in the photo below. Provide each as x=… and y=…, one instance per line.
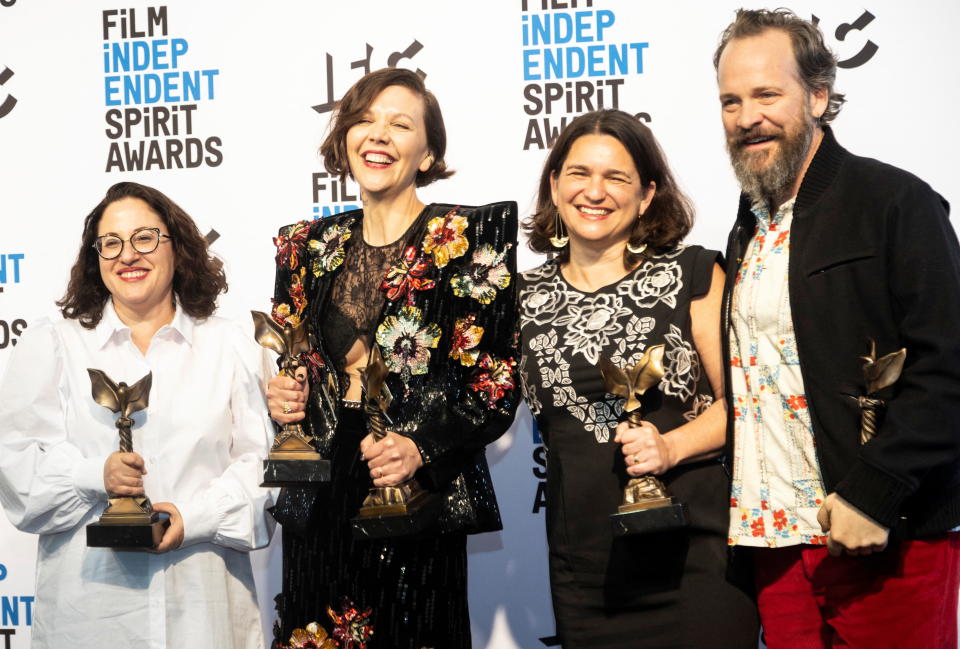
x=466, y=395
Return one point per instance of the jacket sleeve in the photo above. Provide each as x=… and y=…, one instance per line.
x=920, y=430
x=476, y=404
x=47, y=485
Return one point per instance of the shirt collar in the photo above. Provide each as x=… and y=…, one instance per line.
x=111, y=325
x=762, y=213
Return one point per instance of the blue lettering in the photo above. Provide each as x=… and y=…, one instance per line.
x=583, y=27
x=110, y=90
x=618, y=59
x=329, y=210
x=595, y=61
x=575, y=62
x=158, y=54
x=3, y=572
x=541, y=29
x=210, y=74
x=638, y=48
x=530, y=65
x=170, y=86
x=605, y=19
x=15, y=259
x=180, y=47
x=561, y=21
x=10, y=611
x=191, y=87
x=141, y=55
x=553, y=63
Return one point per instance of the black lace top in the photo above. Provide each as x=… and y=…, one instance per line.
x=356, y=299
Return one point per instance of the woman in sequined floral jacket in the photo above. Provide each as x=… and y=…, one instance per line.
x=433, y=288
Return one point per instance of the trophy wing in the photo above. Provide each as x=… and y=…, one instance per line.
x=105, y=391
x=884, y=371
x=650, y=368
x=615, y=379
x=268, y=333
x=139, y=397
x=296, y=340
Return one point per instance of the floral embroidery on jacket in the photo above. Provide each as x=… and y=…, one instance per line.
x=408, y=276
x=406, y=342
x=495, y=378
x=351, y=628
x=329, y=252
x=313, y=636
x=445, y=237
x=282, y=312
x=466, y=336
x=290, y=244
x=487, y=272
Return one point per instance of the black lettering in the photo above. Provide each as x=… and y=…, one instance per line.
x=531, y=93
x=157, y=16
x=540, y=458
x=533, y=136
x=174, y=149
x=4, y=334
x=7, y=633
x=215, y=156
x=540, y=498
x=113, y=120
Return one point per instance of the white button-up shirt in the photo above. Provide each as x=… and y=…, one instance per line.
x=202, y=437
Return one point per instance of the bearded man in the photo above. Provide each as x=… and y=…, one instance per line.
x=832, y=257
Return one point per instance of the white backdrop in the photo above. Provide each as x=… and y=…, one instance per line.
x=236, y=146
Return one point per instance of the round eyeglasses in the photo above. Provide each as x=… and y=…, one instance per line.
x=144, y=241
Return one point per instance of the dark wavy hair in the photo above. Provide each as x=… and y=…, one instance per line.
x=355, y=103
x=816, y=65
x=198, y=276
x=669, y=216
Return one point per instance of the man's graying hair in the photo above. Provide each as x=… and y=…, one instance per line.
x=816, y=64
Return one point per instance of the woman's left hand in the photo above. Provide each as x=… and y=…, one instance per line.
x=173, y=537
x=645, y=450
x=392, y=460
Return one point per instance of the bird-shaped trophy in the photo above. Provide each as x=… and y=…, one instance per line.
x=293, y=461
x=389, y=511
x=128, y=522
x=646, y=506
x=878, y=375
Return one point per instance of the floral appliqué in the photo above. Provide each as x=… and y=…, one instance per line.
x=445, y=237
x=406, y=342
x=495, y=378
x=282, y=312
x=351, y=628
x=487, y=272
x=408, y=276
x=466, y=336
x=290, y=244
x=328, y=252
x=313, y=636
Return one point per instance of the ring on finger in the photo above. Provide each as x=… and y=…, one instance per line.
x=634, y=459
x=379, y=473
x=286, y=408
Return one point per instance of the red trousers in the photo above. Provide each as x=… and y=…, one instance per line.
x=902, y=598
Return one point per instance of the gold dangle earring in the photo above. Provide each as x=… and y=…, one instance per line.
x=558, y=241
x=637, y=250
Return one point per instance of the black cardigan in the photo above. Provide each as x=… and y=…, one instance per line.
x=873, y=255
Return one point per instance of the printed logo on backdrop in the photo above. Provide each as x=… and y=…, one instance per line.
x=9, y=101
x=539, y=470
x=864, y=54
x=7, y=3
x=332, y=195
x=154, y=92
x=10, y=268
x=576, y=58
x=16, y=613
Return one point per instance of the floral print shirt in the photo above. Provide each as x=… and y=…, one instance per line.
x=777, y=488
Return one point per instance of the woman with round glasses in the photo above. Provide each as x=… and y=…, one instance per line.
x=140, y=300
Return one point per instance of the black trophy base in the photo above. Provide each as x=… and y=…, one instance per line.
x=419, y=518
x=128, y=537
x=295, y=473
x=652, y=519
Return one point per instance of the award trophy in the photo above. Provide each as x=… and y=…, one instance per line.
x=293, y=461
x=389, y=511
x=128, y=522
x=878, y=374
x=646, y=506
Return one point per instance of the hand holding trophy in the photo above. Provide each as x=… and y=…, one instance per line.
x=646, y=506
x=389, y=511
x=293, y=461
x=128, y=522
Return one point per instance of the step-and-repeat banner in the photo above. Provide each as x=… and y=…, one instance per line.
x=222, y=106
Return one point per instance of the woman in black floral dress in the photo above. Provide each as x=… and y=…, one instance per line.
x=433, y=287
x=620, y=282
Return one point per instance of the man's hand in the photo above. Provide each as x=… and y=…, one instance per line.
x=850, y=530
x=392, y=460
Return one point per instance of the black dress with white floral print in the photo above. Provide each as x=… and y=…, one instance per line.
x=633, y=592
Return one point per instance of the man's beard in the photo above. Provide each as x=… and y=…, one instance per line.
x=771, y=184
